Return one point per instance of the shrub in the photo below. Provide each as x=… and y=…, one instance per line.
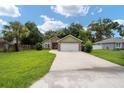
x=88, y=46
x=82, y=47
x=39, y=46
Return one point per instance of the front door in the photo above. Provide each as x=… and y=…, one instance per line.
x=54, y=45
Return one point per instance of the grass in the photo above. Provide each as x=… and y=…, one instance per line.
x=21, y=69
x=115, y=56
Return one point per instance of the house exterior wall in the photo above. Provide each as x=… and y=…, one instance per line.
x=97, y=47
x=122, y=45
x=47, y=45
x=110, y=46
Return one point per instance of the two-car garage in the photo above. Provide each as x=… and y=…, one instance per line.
x=69, y=43
x=69, y=47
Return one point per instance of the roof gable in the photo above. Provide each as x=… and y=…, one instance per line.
x=53, y=39
x=70, y=38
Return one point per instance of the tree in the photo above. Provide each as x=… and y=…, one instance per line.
x=8, y=36
x=74, y=29
x=49, y=34
x=61, y=32
x=121, y=30
x=103, y=28
x=14, y=30
x=82, y=35
x=88, y=46
x=34, y=35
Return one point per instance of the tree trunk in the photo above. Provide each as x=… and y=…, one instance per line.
x=16, y=45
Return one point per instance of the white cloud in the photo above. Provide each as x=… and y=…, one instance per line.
x=120, y=21
x=9, y=10
x=71, y=10
x=85, y=28
x=50, y=24
x=92, y=13
x=46, y=18
x=99, y=10
x=3, y=22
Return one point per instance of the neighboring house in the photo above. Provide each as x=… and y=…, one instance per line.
x=111, y=43
x=68, y=43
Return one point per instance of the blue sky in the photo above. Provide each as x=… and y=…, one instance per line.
x=54, y=17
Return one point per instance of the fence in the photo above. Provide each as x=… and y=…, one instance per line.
x=1, y=46
x=5, y=47
x=26, y=47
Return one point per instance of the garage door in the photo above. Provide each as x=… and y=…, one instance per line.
x=69, y=47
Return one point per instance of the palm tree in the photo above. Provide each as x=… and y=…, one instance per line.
x=17, y=30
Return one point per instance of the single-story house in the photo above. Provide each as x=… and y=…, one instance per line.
x=68, y=43
x=111, y=43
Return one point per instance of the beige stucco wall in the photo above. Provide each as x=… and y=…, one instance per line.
x=47, y=42
x=50, y=41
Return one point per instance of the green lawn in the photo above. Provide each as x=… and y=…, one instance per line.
x=21, y=69
x=115, y=56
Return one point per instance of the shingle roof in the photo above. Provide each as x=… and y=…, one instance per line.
x=50, y=39
x=111, y=40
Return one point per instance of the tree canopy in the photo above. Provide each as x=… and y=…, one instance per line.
x=34, y=36
x=103, y=28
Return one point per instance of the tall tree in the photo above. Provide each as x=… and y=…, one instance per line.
x=49, y=34
x=16, y=30
x=8, y=35
x=103, y=28
x=121, y=30
x=74, y=28
x=34, y=36
x=61, y=32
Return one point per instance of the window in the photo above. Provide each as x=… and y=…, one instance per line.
x=46, y=45
x=117, y=45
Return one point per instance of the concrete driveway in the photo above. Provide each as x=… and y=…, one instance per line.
x=79, y=69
